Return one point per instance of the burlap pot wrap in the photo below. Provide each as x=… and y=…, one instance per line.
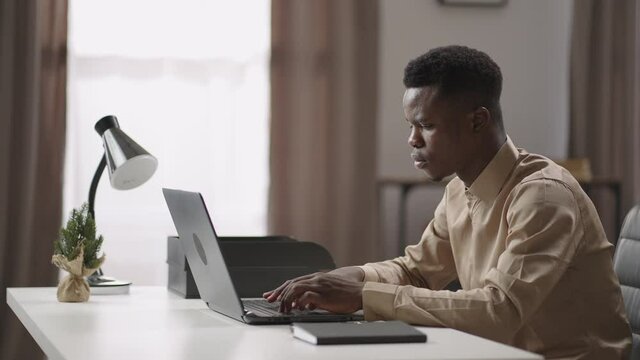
x=74, y=287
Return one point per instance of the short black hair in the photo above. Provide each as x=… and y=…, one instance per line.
x=458, y=71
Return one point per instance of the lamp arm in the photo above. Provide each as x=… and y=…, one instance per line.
x=94, y=185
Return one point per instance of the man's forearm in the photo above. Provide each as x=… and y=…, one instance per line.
x=353, y=273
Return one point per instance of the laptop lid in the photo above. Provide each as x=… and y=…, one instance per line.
x=200, y=245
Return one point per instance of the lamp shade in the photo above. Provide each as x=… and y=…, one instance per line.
x=128, y=163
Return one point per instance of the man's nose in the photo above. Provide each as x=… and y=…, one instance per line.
x=415, y=139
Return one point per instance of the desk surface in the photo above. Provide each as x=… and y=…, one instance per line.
x=152, y=323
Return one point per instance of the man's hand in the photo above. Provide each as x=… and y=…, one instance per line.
x=339, y=291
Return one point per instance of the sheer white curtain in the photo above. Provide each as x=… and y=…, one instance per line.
x=188, y=80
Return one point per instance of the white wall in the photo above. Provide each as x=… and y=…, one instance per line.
x=529, y=39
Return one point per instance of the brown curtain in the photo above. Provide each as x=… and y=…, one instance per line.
x=33, y=37
x=323, y=125
x=605, y=98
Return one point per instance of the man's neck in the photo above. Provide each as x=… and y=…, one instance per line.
x=483, y=156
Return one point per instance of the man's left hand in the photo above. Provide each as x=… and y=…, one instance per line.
x=320, y=290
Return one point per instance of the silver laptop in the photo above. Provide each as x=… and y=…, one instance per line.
x=200, y=244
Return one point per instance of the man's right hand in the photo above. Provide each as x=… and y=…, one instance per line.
x=333, y=291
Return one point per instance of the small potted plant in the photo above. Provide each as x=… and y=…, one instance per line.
x=76, y=251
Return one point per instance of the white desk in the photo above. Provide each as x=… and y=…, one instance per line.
x=152, y=323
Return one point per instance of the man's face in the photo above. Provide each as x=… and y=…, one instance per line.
x=439, y=135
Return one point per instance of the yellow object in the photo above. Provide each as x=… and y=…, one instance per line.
x=580, y=168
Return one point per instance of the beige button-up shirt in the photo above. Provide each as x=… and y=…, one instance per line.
x=529, y=250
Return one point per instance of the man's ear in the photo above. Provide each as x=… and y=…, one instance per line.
x=480, y=118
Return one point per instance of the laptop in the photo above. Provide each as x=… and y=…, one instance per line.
x=200, y=244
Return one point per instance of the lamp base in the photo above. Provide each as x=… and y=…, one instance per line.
x=104, y=285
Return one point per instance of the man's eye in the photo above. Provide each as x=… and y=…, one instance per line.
x=426, y=126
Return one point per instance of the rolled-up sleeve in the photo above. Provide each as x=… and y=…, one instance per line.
x=544, y=231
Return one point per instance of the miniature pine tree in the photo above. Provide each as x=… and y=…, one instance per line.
x=80, y=230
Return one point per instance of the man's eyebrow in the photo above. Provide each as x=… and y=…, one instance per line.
x=417, y=119
x=411, y=121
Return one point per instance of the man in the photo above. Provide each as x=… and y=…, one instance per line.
x=514, y=228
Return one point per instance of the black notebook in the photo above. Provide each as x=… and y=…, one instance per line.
x=357, y=332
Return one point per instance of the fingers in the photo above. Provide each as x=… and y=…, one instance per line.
x=327, y=292
x=304, y=291
x=309, y=300
x=273, y=295
x=319, y=283
x=288, y=298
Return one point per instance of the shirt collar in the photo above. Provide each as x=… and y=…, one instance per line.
x=490, y=181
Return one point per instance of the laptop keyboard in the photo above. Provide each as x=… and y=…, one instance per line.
x=262, y=307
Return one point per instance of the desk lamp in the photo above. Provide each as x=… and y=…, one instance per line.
x=129, y=166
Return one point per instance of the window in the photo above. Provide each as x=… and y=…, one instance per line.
x=188, y=81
